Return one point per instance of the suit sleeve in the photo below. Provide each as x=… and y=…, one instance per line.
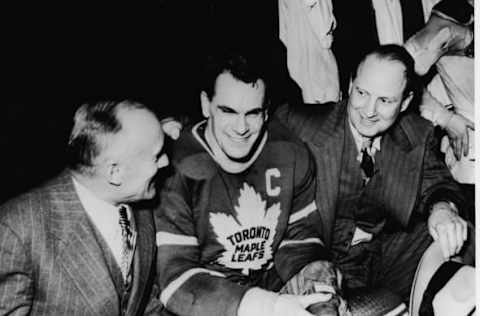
x=301, y=244
x=16, y=285
x=437, y=181
x=187, y=287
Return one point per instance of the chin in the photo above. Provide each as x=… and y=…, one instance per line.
x=368, y=131
x=238, y=155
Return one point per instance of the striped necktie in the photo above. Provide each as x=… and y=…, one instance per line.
x=367, y=164
x=127, y=246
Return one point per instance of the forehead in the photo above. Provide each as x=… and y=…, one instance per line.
x=381, y=77
x=238, y=95
x=141, y=131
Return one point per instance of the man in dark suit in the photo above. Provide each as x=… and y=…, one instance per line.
x=383, y=196
x=78, y=244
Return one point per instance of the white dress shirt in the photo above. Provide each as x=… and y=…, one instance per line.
x=360, y=140
x=360, y=235
x=105, y=217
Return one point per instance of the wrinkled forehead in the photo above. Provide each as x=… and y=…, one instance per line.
x=141, y=131
x=238, y=95
x=381, y=76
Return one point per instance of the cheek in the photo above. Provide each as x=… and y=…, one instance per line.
x=146, y=172
x=388, y=114
x=220, y=124
x=255, y=124
x=356, y=102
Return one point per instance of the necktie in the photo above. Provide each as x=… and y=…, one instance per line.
x=367, y=163
x=127, y=246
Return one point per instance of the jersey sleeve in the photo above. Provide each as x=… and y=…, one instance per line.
x=301, y=243
x=187, y=287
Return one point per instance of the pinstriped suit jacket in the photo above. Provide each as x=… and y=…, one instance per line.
x=51, y=263
x=412, y=180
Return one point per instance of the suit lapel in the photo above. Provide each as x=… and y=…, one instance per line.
x=327, y=145
x=401, y=168
x=79, y=252
x=144, y=251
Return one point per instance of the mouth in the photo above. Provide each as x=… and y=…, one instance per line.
x=367, y=121
x=240, y=140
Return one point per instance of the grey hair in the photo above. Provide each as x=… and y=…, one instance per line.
x=93, y=122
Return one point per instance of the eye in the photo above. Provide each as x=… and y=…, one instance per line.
x=360, y=92
x=255, y=113
x=226, y=109
x=385, y=100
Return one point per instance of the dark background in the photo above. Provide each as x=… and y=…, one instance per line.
x=55, y=58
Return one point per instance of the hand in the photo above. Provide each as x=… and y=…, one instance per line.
x=319, y=277
x=171, y=127
x=457, y=129
x=260, y=302
x=447, y=227
x=295, y=305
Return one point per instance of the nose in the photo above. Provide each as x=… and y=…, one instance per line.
x=241, y=125
x=163, y=161
x=370, y=107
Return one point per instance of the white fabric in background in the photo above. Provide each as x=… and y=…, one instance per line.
x=306, y=28
x=388, y=17
x=427, y=8
x=457, y=76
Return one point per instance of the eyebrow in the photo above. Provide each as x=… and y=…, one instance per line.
x=361, y=89
x=390, y=99
x=253, y=111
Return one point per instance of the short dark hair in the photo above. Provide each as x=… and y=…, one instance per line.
x=92, y=122
x=242, y=66
x=397, y=53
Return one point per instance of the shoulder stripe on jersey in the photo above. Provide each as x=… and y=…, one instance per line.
x=310, y=208
x=178, y=282
x=164, y=238
x=304, y=241
x=400, y=310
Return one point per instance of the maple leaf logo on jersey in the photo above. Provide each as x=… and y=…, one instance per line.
x=248, y=238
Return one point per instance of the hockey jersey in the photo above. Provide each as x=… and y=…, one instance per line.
x=221, y=233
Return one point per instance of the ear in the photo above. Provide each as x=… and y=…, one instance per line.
x=114, y=173
x=205, y=102
x=406, y=102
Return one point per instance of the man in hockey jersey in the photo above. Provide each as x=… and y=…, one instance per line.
x=234, y=223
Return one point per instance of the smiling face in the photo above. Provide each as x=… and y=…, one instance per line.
x=235, y=114
x=377, y=96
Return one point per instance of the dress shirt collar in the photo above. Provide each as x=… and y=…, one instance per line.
x=105, y=217
x=360, y=140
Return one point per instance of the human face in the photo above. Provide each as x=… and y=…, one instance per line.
x=376, y=96
x=235, y=114
x=141, y=156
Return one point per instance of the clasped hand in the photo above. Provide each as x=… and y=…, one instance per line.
x=448, y=228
